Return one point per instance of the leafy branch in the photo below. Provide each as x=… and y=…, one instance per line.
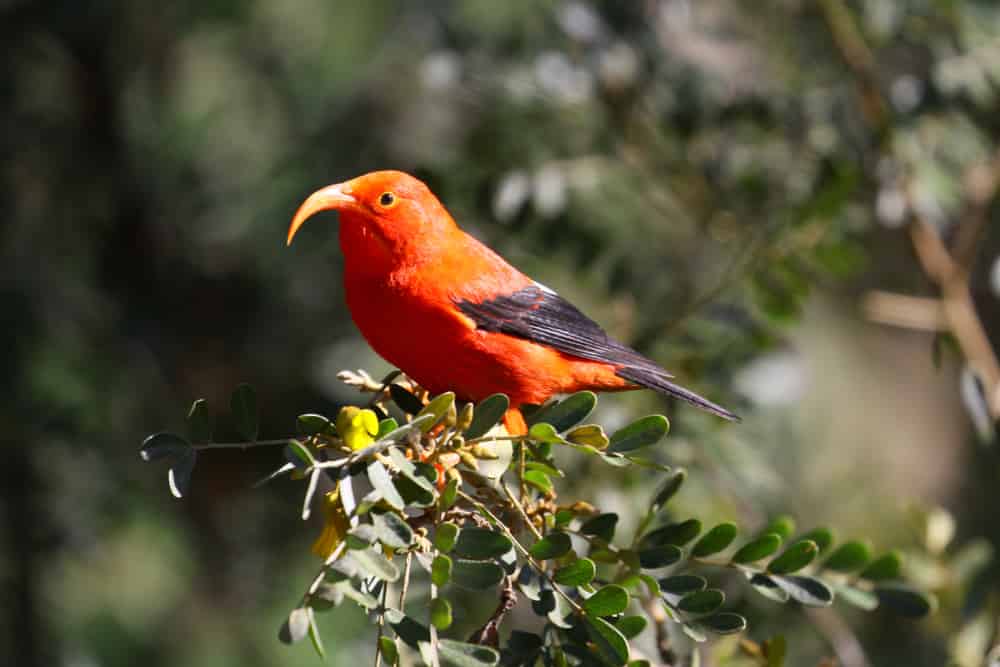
x=437, y=491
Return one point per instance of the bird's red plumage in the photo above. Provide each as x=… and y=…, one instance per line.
x=408, y=268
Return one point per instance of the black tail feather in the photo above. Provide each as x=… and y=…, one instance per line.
x=644, y=378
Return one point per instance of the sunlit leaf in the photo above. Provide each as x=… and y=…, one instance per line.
x=374, y=564
x=441, y=570
x=440, y=613
x=382, y=482
x=488, y=414
x=758, y=549
x=179, y=475
x=459, y=654
x=607, y=601
x=579, y=572
x=588, y=434
x=554, y=545
x=568, y=412
x=887, y=566
x=715, y=540
x=481, y=543
x=848, y=557
x=445, y=536
x=296, y=626
x=641, y=433
x=794, y=558
x=437, y=408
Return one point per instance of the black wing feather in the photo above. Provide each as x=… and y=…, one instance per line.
x=538, y=314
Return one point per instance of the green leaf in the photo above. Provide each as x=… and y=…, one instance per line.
x=602, y=526
x=755, y=550
x=682, y=584
x=544, y=467
x=568, y=412
x=449, y=495
x=887, y=566
x=314, y=636
x=243, y=405
x=412, y=632
x=361, y=536
x=441, y=570
x=392, y=531
x=476, y=575
x=445, y=536
x=488, y=414
x=163, y=445
x=591, y=435
x=179, y=475
x=641, y=433
x=385, y=427
x=794, y=558
x=610, y=642
x=695, y=632
x=437, y=408
x=554, y=545
x=676, y=533
x=631, y=626
x=441, y=613
x=724, y=623
x=296, y=626
x=459, y=654
x=578, y=573
x=848, y=557
x=668, y=489
x=783, y=526
x=715, y=540
x=414, y=493
x=365, y=600
x=312, y=424
x=199, y=422
x=481, y=543
x=660, y=556
x=807, y=590
x=607, y=601
x=768, y=587
x=538, y=479
x=382, y=482
x=299, y=455
x=390, y=653
x=702, y=602
x=544, y=432
x=374, y=564
x=405, y=400
x=905, y=600
x=823, y=537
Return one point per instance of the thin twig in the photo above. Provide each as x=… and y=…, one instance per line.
x=242, y=445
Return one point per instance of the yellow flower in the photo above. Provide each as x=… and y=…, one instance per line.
x=335, y=526
x=357, y=427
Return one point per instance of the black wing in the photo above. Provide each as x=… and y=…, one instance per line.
x=538, y=314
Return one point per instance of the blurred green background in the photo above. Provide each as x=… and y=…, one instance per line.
x=720, y=183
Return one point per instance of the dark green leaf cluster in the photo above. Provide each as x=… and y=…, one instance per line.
x=451, y=496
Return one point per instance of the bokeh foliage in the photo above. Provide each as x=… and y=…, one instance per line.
x=687, y=172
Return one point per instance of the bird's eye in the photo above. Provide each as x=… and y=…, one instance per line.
x=386, y=199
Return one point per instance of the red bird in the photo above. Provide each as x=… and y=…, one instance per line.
x=454, y=315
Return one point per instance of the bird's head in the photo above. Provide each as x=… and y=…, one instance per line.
x=391, y=208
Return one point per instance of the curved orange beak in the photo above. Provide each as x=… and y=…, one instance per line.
x=333, y=197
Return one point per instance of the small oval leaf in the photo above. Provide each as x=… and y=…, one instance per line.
x=887, y=566
x=641, y=433
x=441, y=570
x=660, y=556
x=758, y=549
x=848, y=557
x=724, y=623
x=715, y=540
x=609, y=641
x=481, y=543
x=440, y=613
x=602, y=526
x=905, y=601
x=578, y=573
x=312, y=424
x=668, y=489
x=488, y=414
x=568, y=412
x=682, y=584
x=702, y=602
x=607, y=601
x=382, y=482
x=807, y=590
x=554, y=545
x=437, y=408
x=199, y=422
x=676, y=533
x=163, y=445
x=794, y=558
x=392, y=531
